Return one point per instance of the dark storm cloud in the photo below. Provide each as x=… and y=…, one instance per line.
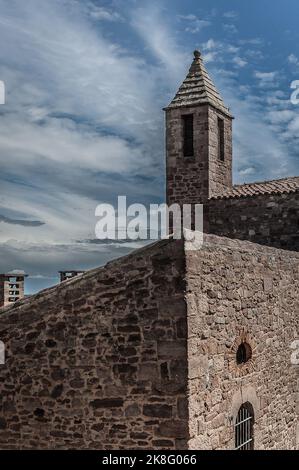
x=24, y=223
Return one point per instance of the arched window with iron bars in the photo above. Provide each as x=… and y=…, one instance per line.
x=244, y=438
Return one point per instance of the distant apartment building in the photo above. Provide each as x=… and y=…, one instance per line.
x=11, y=287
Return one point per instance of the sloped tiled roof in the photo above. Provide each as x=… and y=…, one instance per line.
x=198, y=88
x=285, y=185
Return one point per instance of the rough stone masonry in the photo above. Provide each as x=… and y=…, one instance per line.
x=100, y=361
x=147, y=359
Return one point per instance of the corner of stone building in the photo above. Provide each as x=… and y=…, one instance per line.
x=238, y=291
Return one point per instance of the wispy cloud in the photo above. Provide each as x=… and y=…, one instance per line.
x=231, y=14
x=230, y=28
x=103, y=14
x=210, y=44
x=193, y=23
x=293, y=59
x=159, y=39
x=266, y=79
x=251, y=41
x=239, y=62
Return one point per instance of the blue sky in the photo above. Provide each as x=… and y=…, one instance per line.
x=85, y=85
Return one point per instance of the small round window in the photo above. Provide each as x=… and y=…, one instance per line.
x=244, y=353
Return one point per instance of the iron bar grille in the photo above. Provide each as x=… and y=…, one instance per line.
x=244, y=429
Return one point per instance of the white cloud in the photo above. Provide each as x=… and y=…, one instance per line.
x=209, y=57
x=216, y=50
x=293, y=127
x=260, y=152
x=231, y=14
x=251, y=41
x=255, y=54
x=63, y=141
x=267, y=76
x=293, y=59
x=230, y=28
x=232, y=49
x=158, y=39
x=248, y=171
x=211, y=48
x=195, y=24
x=189, y=17
x=239, y=62
x=100, y=13
x=210, y=44
x=267, y=79
x=280, y=116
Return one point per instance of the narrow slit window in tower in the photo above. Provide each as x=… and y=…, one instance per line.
x=221, y=139
x=188, y=135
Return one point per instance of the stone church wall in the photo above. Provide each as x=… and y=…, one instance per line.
x=265, y=219
x=241, y=291
x=99, y=361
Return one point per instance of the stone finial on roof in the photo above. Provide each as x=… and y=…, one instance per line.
x=198, y=88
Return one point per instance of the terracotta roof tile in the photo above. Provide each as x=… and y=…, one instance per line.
x=281, y=186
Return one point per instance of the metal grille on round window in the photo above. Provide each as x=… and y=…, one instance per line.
x=244, y=428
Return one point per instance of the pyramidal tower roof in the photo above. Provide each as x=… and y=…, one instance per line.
x=198, y=88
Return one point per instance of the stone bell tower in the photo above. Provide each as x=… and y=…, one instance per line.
x=198, y=140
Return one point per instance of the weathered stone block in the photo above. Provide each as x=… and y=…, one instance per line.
x=157, y=410
x=171, y=349
x=107, y=403
x=173, y=428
